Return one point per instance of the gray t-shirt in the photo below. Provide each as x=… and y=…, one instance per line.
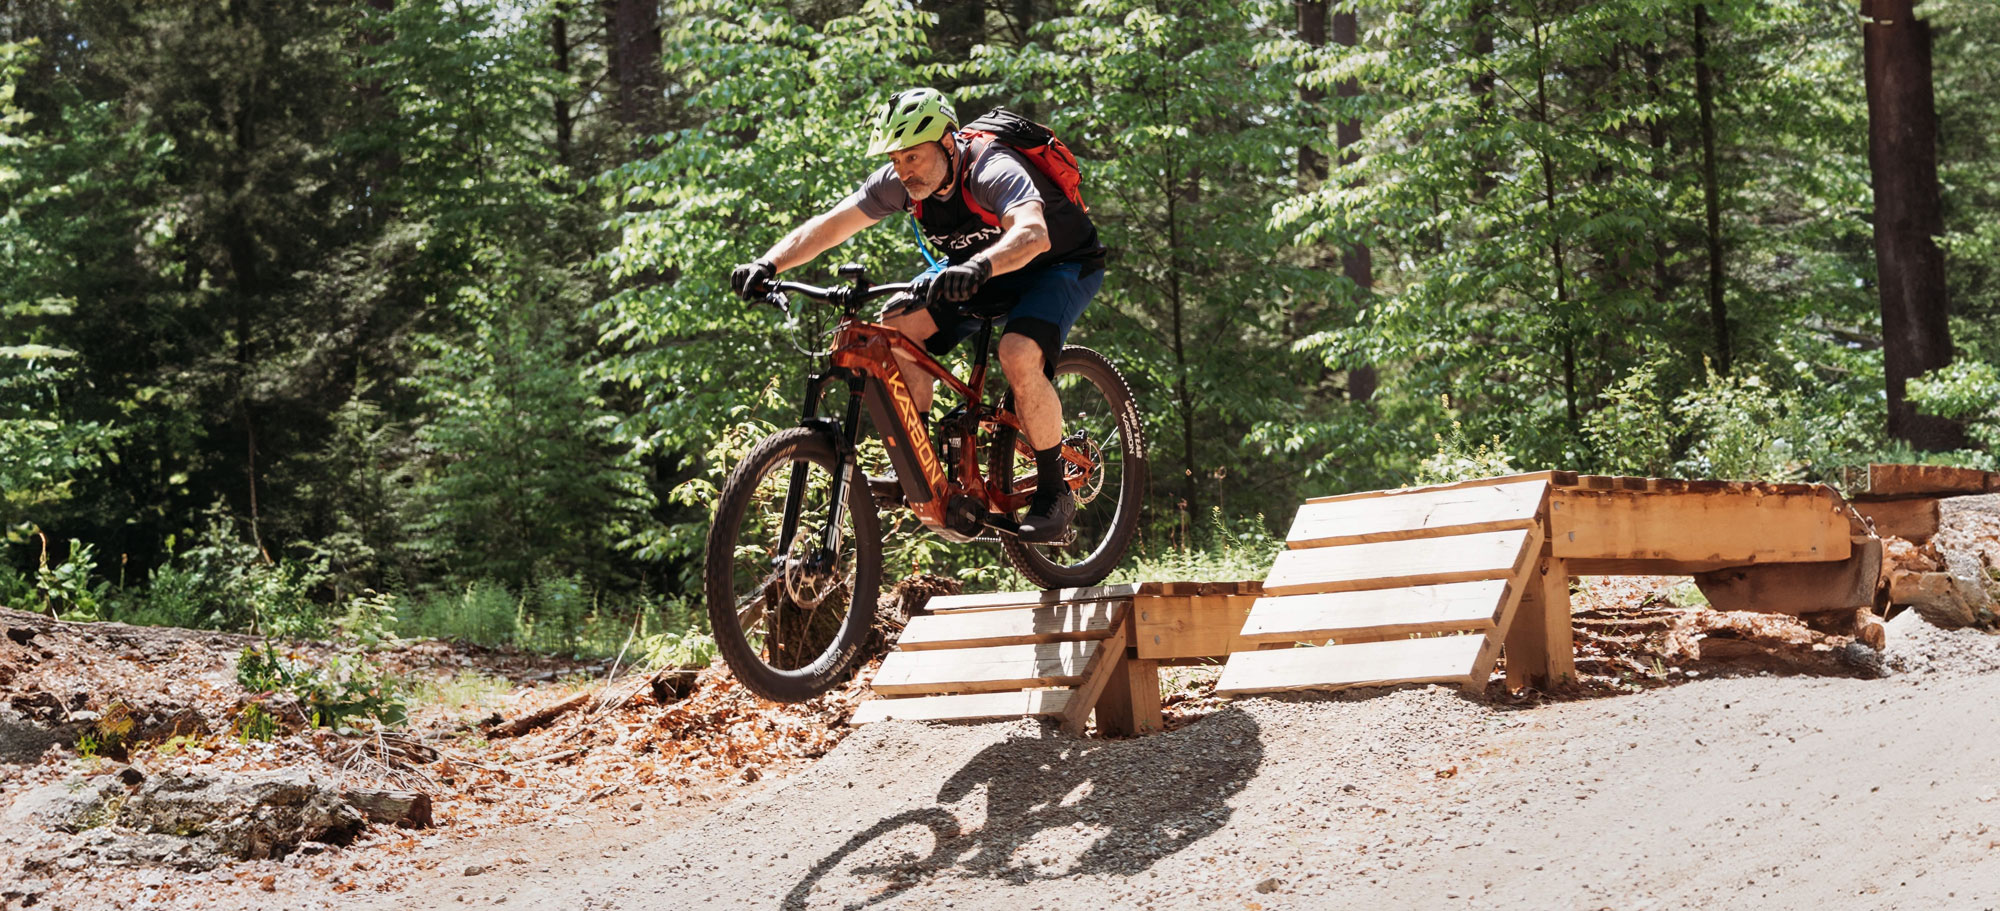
x=998, y=180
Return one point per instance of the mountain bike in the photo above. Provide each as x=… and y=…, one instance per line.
x=794, y=570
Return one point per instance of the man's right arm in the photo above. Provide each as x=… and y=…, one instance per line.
x=819, y=234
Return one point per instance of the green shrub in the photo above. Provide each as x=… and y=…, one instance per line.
x=346, y=688
x=1633, y=434
x=484, y=613
x=1964, y=390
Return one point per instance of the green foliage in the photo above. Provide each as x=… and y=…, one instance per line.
x=1459, y=458
x=67, y=589
x=1633, y=433
x=345, y=688
x=483, y=613
x=1965, y=390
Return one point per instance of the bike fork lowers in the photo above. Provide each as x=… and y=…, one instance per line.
x=844, y=437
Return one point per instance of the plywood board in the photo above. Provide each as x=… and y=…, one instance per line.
x=984, y=670
x=1170, y=627
x=1729, y=526
x=1073, y=622
x=1440, y=659
x=1011, y=704
x=1378, y=614
x=1397, y=564
x=998, y=600
x=1424, y=514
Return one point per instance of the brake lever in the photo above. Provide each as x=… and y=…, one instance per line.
x=779, y=300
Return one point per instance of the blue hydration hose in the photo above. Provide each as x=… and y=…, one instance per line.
x=924, y=248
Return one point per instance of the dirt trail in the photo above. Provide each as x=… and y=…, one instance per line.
x=1753, y=792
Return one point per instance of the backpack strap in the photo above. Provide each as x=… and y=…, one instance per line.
x=976, y=144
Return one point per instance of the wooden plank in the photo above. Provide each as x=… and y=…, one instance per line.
x=1174, y=627
x=1440, y=659
x=1525, y=577
x=1396, y=564
x=1429, y=514
x=1131, y=702
x=1920, y=480
x=1106, y=664
x=1730, y=526
x=1459, y=606
x=1073, y=622
x=1551, y=476
x=1798, y=588
x=984, y=670
x=1010, y=704
x=1541, y=645
x=997, y=600
x=1912, y=520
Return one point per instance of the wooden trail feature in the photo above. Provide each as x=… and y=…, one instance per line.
x=1421, y=585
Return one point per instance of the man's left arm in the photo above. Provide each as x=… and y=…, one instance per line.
x=1024, y=236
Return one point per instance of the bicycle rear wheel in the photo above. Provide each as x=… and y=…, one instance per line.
x=1101, y=420
x=789, y=622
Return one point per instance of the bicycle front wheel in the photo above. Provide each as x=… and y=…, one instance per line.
x=1101, y=421
x=790, y=618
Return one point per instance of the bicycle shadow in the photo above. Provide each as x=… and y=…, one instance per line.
x=1144, y=799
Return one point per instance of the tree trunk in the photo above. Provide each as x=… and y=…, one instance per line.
x=1312, y=31
x=1356, y=262
x=1902, y=159
x=1711, y=193
x=634, y=41
x=559, y=47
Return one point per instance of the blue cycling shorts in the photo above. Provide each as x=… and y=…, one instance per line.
x=1042, y=304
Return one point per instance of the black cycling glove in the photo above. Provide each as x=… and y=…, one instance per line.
x=748, y=279
x=956, y=283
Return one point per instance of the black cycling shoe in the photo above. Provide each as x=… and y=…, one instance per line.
x=1048, y=517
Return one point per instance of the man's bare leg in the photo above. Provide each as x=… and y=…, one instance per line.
x=917, y=325
x=1035, y=398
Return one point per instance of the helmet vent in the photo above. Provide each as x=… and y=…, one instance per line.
x=924, y=122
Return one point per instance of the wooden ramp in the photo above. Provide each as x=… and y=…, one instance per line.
x=1431, y=584
x=1402, y=588
x=1064, y=654
x=1006, y=655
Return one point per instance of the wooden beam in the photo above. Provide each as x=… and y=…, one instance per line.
x=1928, y=480
x=1131, y=702
x=1459, y=606
x=997, y=600
x=1509, y=615
x=1011, y=704
x=1071, y=622
x=1440, y=659
x=1798, y=588
x=984, y=670
x=1554, y=477
x=1169, y=627
x=1104, y=666
x=1397, y=564
x=1730, y=526
x=1541, y=646
x=1912, y=520
x=1427, y=514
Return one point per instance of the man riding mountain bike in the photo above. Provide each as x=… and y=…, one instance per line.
x=1039, y=265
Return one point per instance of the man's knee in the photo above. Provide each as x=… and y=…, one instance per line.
x=1020, y=356
x=1034, y=342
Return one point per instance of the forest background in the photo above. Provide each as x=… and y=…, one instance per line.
x=414, y=312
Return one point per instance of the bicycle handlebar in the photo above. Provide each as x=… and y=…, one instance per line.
x=846, y=296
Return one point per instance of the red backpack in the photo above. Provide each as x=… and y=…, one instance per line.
x=1035, y=142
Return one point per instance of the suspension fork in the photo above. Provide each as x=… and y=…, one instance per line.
x=844, y=436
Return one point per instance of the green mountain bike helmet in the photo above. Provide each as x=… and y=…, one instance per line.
x=913, y=117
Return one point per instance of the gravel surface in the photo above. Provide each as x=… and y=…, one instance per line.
x=1753, y=792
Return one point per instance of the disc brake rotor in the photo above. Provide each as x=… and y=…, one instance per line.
x=807, y=580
